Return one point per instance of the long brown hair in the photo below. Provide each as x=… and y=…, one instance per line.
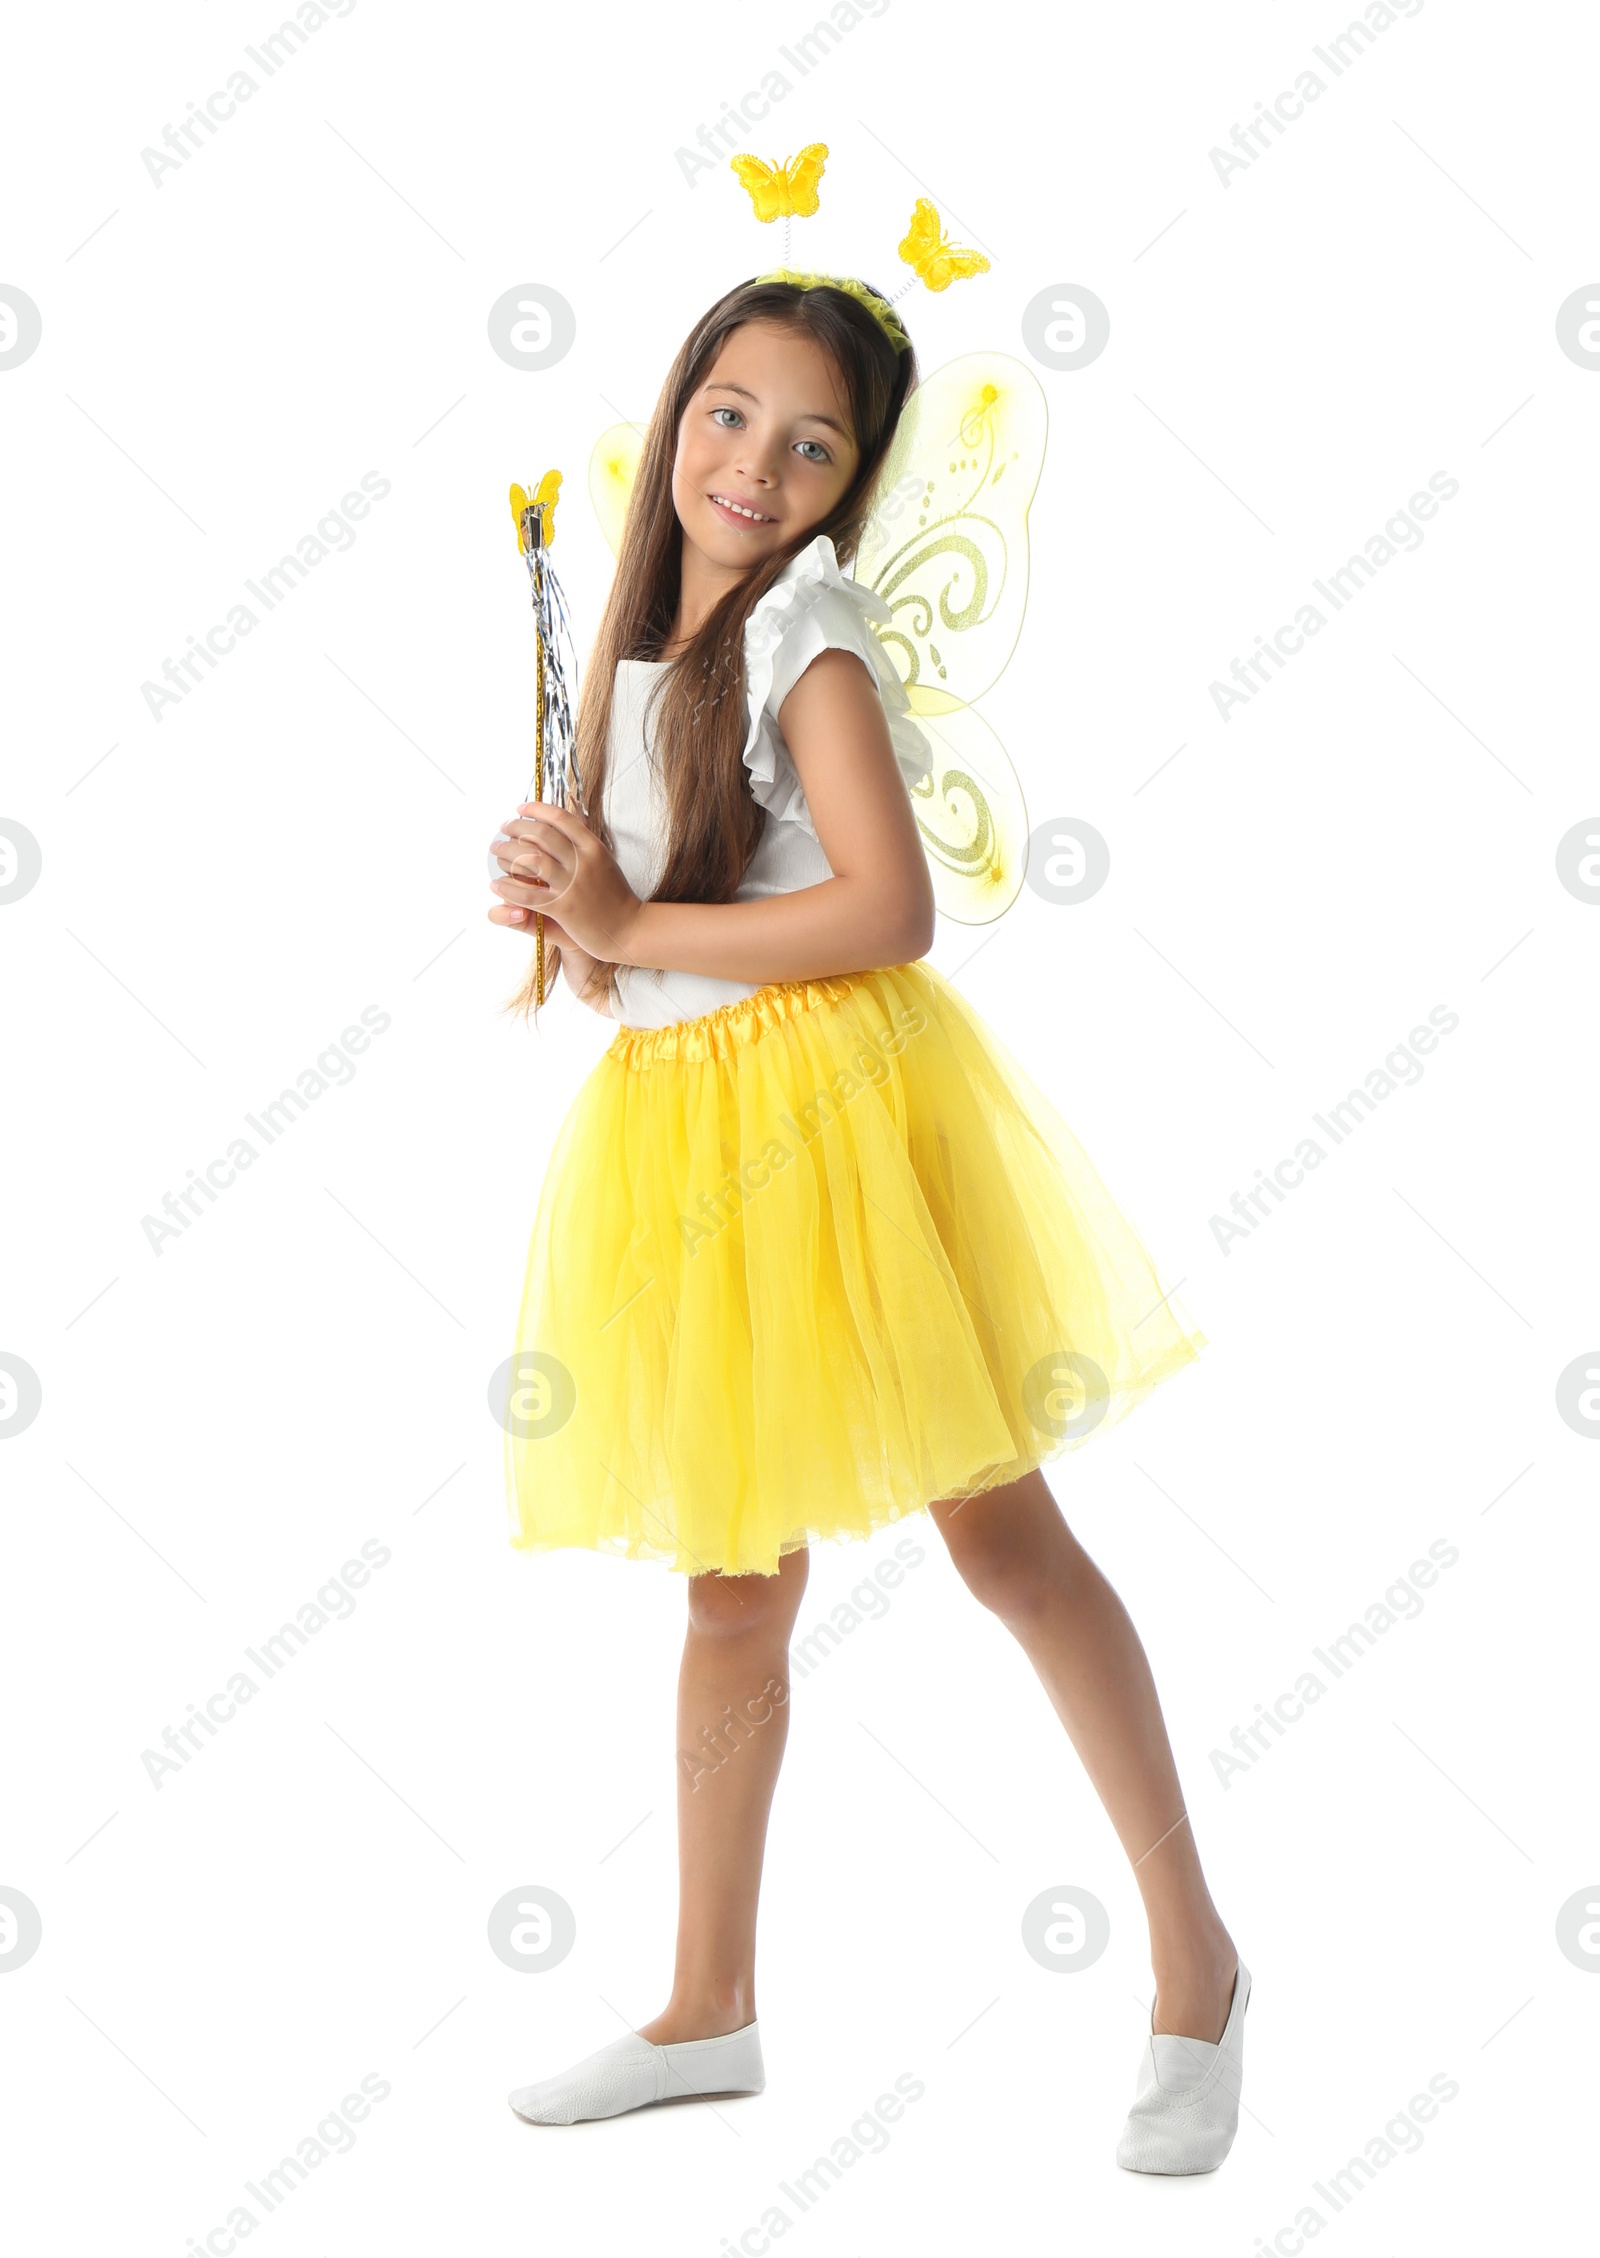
x=698, y=705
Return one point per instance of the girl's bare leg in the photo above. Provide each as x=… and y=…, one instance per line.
x=1018, y=1557
x=733, y=1720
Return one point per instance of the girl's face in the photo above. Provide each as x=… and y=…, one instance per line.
x=768, y=431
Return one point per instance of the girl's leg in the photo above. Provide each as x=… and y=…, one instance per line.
x=733, y=1719
x=1017, y=1555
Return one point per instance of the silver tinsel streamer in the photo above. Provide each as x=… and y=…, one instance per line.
x=557, y=673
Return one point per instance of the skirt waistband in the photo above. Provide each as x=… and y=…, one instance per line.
x=717, y=1034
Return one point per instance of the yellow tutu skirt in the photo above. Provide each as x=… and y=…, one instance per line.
x=805, y=1265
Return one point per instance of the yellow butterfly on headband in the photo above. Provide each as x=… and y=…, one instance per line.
x=789, y=189
x=931, y=255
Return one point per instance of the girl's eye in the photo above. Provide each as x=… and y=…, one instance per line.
x=821, y=455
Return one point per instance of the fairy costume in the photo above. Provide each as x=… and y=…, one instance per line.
x=813, y=1256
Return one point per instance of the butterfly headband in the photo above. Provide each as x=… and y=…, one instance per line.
x=789, y=190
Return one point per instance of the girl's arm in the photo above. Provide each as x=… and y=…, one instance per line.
x=577, y=970
x=878, y=907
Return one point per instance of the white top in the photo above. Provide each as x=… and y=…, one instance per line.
x=811, y=607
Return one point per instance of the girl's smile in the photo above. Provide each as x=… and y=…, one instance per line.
x=739, y=513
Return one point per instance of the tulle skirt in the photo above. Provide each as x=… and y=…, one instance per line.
x=806, y=1265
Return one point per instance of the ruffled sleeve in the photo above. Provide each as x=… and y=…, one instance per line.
x=815, y=607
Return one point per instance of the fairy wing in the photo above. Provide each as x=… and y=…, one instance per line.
x=972, y=818
x=613, y=467
x=947, y=549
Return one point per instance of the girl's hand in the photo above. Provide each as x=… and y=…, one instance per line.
x=561, y=953
x=559, y=865
x=503, y=913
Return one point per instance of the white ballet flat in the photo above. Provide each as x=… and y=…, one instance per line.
x=1186, y=2110
x=632, y=2072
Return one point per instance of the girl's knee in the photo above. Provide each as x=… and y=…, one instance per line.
x=734, y=1605
x=1001, y=1575
x=1007, y=1545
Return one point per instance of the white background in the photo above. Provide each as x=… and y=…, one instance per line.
x=306, y=1366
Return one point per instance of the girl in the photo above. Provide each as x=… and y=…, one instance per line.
x=812, y=1252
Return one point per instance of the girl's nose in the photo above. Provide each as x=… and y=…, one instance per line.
x=761, y=461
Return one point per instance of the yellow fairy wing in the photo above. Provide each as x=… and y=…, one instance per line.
x=947, y=545
x=613, y=467
x=779, y=191
x=947, y=549
x=930, y=254
x=972, y=818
